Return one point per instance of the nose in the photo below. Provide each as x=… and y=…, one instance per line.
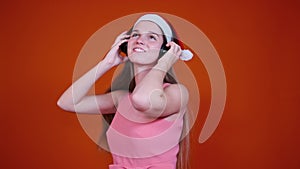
x=140, y=40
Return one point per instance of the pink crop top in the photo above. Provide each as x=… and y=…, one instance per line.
x=143, y=145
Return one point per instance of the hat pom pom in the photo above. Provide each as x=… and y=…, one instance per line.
x=186, y=55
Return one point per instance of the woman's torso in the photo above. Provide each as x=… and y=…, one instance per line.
x=135, y=143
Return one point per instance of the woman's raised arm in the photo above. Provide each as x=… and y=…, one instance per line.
x=75, y=98
x=150, y=97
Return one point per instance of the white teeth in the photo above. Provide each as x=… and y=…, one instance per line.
x=138, y=50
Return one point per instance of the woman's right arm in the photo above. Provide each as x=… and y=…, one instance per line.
x=75, y=98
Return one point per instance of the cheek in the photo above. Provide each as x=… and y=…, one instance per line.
x=155, y=45
x=130, y=41
x=129, y=45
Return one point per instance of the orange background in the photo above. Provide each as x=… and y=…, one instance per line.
x=257, y=41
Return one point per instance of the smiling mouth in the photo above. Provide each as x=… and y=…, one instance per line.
x=137, y=49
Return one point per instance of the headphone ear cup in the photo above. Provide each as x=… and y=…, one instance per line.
x=164, y=49
x=123, y=48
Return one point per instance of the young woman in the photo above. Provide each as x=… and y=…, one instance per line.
x=146, y=105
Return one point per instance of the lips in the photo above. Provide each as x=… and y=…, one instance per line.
x=138, y=49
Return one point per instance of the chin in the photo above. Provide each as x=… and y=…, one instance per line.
x=153, y=54
x=143, y=58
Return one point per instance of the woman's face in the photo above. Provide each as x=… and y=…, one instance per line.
x=145, y=43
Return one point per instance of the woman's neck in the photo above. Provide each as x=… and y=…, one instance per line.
x=140, y=71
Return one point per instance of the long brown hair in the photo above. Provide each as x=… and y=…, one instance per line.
x=126, y=81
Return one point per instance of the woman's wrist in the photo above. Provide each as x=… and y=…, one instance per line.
x=162, y=65
x=103, y=67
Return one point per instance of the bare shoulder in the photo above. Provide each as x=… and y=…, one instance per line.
x=176, y=89
x=177, y=93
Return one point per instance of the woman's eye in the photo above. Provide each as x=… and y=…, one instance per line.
x=134, y=35
x=152, y=37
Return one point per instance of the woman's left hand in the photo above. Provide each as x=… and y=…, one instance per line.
x=171, y=56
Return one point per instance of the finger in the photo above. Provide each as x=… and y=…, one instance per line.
x=174, y=47
x=122, y=41
x=121, y=36
x=170, y=44
x=179, y=52
x=117, y=44
x=178, y=49
x=125, y=37
x=123, y=33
